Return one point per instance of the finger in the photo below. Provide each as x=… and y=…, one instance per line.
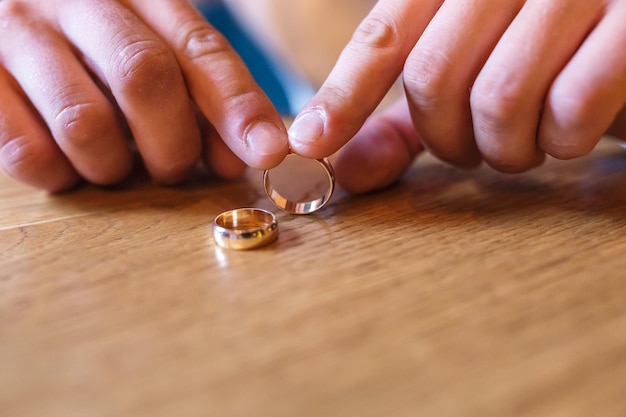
x=509, y=92
x=27, y=151
x=380, y=152
x=144, y=78
x=618, y=128
x=590, y=92
x=220, y=83
x=365, y=71
x=79, y=116
x=442, y=67
x=217, y=156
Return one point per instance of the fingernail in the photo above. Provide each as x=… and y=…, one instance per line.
x=265, y=139
x=307, y=128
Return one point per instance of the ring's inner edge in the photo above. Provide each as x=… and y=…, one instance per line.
x=299, y=206
x=245, y=220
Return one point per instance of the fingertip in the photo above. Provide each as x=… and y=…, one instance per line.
x=220, y=159
x=171, y=171
x=170, y=157
x=364, y=73
x=68, y=183
x=306, y=131
x=109, y=165
x=38, y=164
x=230, y=171
x=515, y=164
x=267, y=143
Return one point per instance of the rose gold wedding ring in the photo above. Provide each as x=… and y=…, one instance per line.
x=245, y=228
x=301, y=207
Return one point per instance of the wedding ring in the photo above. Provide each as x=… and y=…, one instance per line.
x=245, y=228
x=301, y=207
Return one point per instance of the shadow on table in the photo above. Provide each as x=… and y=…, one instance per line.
x=594, y=184
x=201, y=191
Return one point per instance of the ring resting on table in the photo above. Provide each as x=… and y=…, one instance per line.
x=245, y=228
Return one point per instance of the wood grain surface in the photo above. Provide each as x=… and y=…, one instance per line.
x=450, y=294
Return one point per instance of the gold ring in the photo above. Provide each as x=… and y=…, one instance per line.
x=301, y=207
x=245, y=228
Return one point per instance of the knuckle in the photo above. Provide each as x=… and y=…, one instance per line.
x=200, y=41
x=337, y=93
x=574, y=112
x=78, y=124
x=338, y=101
x=378, y=33
x=240, y=99
x=142, y=62
x=576, y=121
x=20, y=154
x=494, y=108
x=426, y=78
x=335, y=97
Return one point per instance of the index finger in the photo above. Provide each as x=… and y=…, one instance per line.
x=365, y=71
x=220, y=83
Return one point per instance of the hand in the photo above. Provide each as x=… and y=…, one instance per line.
x=501, y=81
x=78, y=78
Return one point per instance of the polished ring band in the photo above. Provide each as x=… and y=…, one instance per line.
x=301, y=207
x=245, y=228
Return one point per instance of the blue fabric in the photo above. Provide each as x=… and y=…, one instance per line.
x=260, y=66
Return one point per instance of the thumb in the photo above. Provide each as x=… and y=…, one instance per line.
x=380, y=152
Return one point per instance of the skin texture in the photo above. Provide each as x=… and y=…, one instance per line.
x=82, y=83
x=505, y=82
x=85, y=83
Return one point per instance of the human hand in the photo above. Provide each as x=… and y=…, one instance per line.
x=501, y=81
x=78, y=78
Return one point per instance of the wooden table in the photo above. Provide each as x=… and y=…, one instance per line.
x=451, y=294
